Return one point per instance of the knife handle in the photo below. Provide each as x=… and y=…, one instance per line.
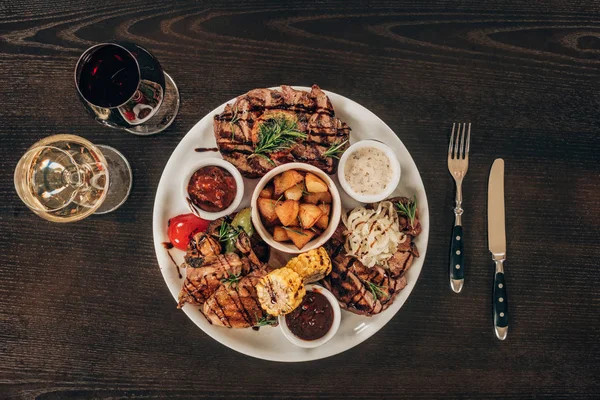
x=500, y=302
x=457, y=259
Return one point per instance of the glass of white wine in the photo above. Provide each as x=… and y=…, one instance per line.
x=65, y=178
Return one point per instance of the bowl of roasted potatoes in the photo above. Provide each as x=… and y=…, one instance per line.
x=295, y=208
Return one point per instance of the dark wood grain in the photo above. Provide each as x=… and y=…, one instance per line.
x=84, y=311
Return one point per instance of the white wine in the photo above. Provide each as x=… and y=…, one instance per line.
x=62, y=178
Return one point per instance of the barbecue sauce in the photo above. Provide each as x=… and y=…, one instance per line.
x=312, y=319
x=212, y=189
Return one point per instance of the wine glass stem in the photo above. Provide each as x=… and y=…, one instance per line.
x=73, y=176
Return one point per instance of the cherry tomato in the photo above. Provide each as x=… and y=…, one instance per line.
x=129, y=115
x=183, y=227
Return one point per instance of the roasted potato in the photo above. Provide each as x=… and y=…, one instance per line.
x=315, y=198
x=309, y=214
x=294, y=193
x=323, y=221
x=287, y=211
x=286, y=180
x=267, y=192
x=315, y=184
x=266, y=208
x=300, y=236
x=280, y=234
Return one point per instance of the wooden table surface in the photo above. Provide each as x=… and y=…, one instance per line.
x=85, y=312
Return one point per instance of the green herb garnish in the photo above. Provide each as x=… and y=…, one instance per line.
x=276, y=134
x=410, y=209
x=278, y=200
x=235, y=118
x=264, y=321
x=227, y=232
x=294, y=230
x=335, y=150
x=232, y=279
x=377, y=291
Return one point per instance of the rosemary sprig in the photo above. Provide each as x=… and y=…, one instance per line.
x=335, y=150
x=227, y=232
x=377, y=291
x=276, y=134
x=278, y=200
x=232, y=279
x=294, y=230
x=234, y=119
x=410, y=209
x=264, y=321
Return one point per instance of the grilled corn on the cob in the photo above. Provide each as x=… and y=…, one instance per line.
x=312, y=265
x=280, y=291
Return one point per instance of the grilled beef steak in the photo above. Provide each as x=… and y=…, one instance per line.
x=237, y=129
x=368, y=291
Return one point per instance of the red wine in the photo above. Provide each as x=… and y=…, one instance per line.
x=109, y=76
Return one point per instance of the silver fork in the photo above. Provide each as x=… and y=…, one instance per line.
x=458, y=164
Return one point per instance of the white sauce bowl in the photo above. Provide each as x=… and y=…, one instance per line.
x=394, y=165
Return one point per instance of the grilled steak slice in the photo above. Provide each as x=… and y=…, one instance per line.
x=200, y=283
x=362, y=290
x=237, y=129
x=297, y=100
x=236, y=305
x=403, y=258
x=413, y=230
x=335, y=244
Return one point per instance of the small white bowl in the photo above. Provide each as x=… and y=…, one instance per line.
x=334, y=219
x=337, y=317
x=218, y=162
x=394, y=164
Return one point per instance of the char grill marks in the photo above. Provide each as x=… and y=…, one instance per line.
x=236, y=305
x=368, y=291
x=362, y=290
x=200, y=283
x=235, y=129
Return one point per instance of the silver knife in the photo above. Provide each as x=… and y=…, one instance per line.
x=497, y=246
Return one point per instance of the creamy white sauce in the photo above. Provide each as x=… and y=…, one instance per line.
x=368, y=171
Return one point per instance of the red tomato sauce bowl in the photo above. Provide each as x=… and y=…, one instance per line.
x=213, y=188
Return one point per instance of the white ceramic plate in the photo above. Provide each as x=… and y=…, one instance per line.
x=269, y=343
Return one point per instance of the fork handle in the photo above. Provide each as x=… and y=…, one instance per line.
x=457, y=259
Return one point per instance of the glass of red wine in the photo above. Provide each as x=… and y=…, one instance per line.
x=123, y=86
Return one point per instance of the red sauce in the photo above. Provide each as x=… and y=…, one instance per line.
x=312, y=319
x=212, y=189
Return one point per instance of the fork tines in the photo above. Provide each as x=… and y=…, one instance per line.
x=456, y=151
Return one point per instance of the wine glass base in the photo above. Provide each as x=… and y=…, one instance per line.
x=120, y=179
x=165, y=115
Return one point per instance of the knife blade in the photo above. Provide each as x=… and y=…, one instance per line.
x=497, y=246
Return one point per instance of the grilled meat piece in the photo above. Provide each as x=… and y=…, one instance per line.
x=362, y=290
x=200, y=283
x=403, y=258
x=236, y=305
x=236, y=129
x=200, y=246
x=335, y=244
x=414, y=229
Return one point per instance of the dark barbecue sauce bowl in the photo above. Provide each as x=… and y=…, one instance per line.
x=315, y=321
